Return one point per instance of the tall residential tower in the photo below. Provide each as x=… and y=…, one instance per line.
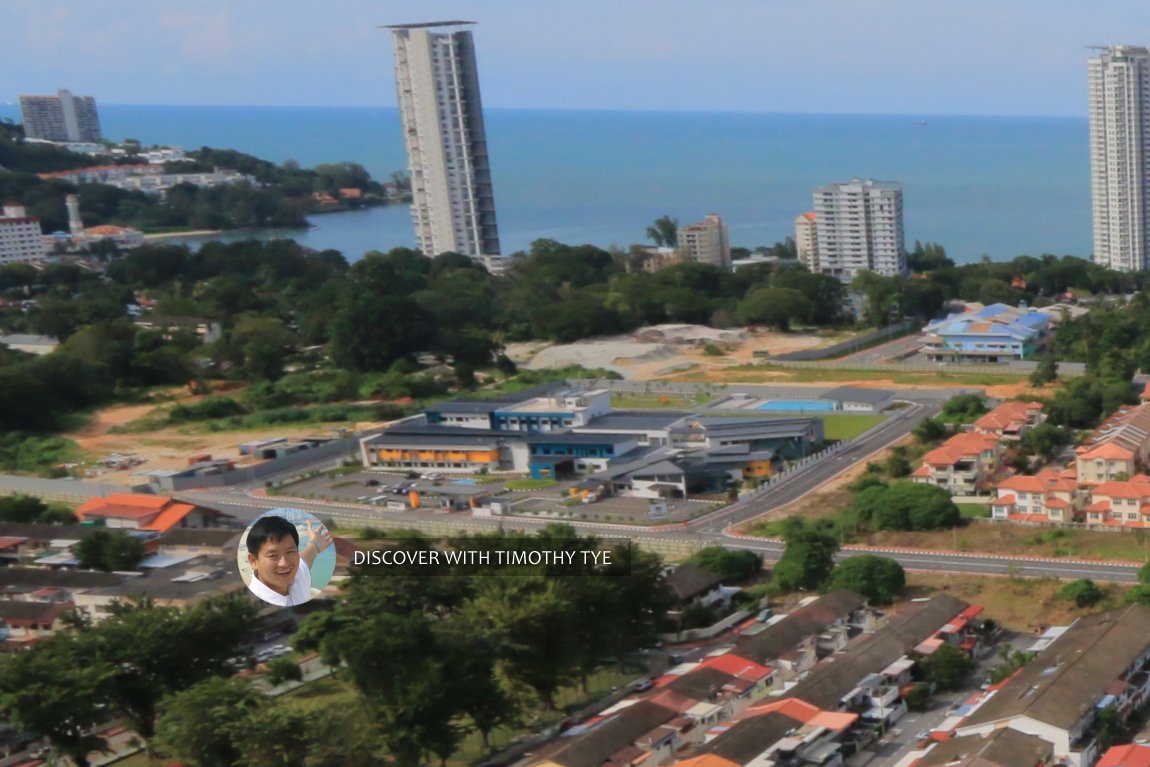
x=453, y=205
x=857, y=227
x=1120, y=156
x=62, y=117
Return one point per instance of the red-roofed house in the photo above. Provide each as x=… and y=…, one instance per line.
x=1046, y=497
x=964, y=464
x=1118, y=448
x=1010, y=419
x=1119, y=504
x=157, y=513
x=1128, y=755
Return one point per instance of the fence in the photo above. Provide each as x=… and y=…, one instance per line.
x=64, y=490
x=856, y=344
x=331, y=454
x=1017, y=368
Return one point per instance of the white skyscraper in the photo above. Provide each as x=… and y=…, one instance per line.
x=453, y=205
x=1120, y=156
x=706, y=242
x=858, y=226
x=62, y=117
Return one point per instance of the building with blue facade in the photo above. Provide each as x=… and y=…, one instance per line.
x=995, y=333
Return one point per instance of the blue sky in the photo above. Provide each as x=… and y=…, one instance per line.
x=991, y=57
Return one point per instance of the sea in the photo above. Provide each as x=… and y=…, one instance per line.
x=980, y=186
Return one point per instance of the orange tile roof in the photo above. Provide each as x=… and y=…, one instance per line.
x=921, y=471
x=737, y=666
x=707, y=760
x=1146, y=391
x=106, y=229
x=811, y=215
x=1122, y=489
x=1023, y=484
x=1007, y=414
x=1028, y=518
x=151, y=512
x=1056, y=503
x=1006, y=500
x=1128, y=755
x=1108, y=451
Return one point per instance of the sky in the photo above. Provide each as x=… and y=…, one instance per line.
x=927, y=57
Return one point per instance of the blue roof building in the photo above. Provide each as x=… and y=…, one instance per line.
x=995, y=333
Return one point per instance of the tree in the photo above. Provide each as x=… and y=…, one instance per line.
x=947, y=667
x=1046, y=372
x=879, y=579
x=731, y=566
x=918, y=698
x=282, y=670
x=159, y=651
x=1083, y=592
x=110, y=550
x=807, y=560
x=21, y=508
x=779, y=307
x=963, y=408
x=930, y=430
x=54, y=690
x=198, y=723
x=906, y=506
x=664, y=232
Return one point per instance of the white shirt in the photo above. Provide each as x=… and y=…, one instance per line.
x=299, y=592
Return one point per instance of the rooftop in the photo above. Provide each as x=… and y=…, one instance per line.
x=804, y=622
x=1006, y=747
x=1062, y=685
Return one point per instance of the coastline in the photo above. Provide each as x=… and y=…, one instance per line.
x=178, y=235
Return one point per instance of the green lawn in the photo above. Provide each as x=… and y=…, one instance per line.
x=656, y=401
x=845, y=426
x=530, y=484
x=974, y=510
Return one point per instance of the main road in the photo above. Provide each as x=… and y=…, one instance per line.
x=716, y=528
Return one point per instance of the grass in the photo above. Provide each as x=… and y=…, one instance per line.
x=838, y=426
x=974, y=510
x=773, y=374
x=656, y=401
x=530, y=484
x=1020, y=604
x=1003, y=538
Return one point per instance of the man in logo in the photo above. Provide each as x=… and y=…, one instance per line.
x=281, y=571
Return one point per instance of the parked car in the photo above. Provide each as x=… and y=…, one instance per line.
x=642, y=685
x=371, y=483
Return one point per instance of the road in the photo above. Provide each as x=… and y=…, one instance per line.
x=716, y=528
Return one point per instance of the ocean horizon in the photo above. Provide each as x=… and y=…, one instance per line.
x=1000, y=186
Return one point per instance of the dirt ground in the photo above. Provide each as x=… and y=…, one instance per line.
x=664, y=349
x=167, y=448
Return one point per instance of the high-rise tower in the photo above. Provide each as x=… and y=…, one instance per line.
x=1119, y=81
x=858, y=227
x=62, y=117
x=453, y=205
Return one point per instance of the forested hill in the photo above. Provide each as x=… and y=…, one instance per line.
x=280, y=197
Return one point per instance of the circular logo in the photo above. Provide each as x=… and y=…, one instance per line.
x=286, y=557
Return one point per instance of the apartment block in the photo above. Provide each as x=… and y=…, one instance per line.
x=62, y=117
x=858, y=227
x=1119, y=95
x=20, y=236
x=437, y=79
x=706, y=242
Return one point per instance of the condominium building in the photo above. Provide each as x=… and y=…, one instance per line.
x=1119, y=80
x=807, y=240
x=20, y=236
x=62, y=117
x=453, y=205
x=706, y=242
x=858, y=227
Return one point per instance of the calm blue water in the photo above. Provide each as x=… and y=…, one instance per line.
x=1002, y=186
x=798, y=405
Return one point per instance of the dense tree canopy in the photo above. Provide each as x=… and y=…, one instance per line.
x=879, y=579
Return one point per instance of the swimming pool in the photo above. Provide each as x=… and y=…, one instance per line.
x=797, y=405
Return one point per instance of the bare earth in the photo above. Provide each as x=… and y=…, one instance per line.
x=167, y=448
x=664, y=349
